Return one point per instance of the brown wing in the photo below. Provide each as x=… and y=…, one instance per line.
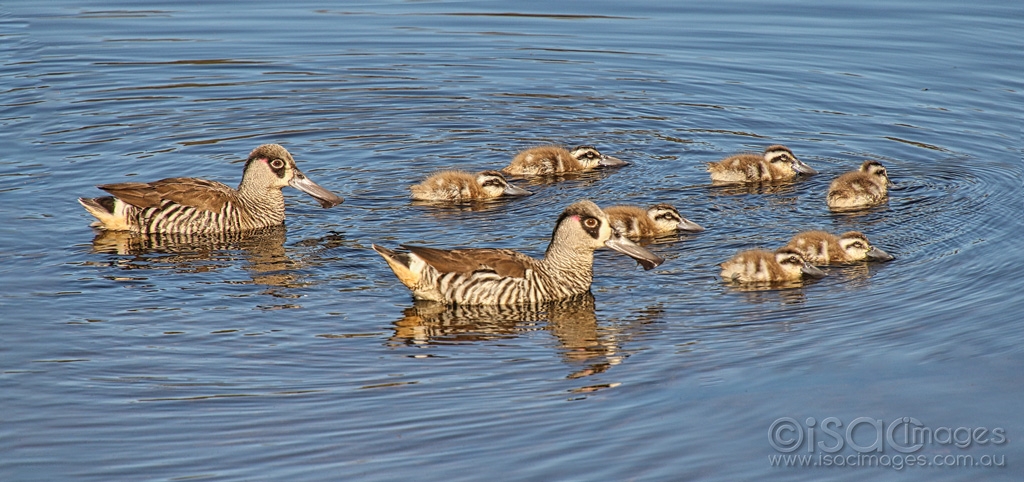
x=198, y=193
x=504, y=262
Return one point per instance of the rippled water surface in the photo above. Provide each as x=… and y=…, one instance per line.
x=295, y=354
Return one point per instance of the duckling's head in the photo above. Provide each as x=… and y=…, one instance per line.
x=876, y=170
x=783, y=157
x=793, y=264
x=584, y=226
x=272, y=166
x=855, y=244
x=590, y=158
x=667, y=219
x=494, y=185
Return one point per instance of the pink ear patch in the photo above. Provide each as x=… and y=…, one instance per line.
x=575, y=217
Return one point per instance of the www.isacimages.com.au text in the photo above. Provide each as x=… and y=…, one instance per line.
x=896, y=462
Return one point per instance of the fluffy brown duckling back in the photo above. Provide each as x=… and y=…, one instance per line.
x=777, y=163
x=864, y=187
x=458, y=186
x=821, y=248
x=635, y=222
x=550, y=160
x=763, y=266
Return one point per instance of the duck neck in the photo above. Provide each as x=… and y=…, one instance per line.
x=570, y=269
x=264, y=204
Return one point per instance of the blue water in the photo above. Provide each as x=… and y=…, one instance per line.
x=297, y=355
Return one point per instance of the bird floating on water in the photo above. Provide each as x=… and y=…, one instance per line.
x=549, y=160
x=486, y=276
x=778, y=163
x=194, y=206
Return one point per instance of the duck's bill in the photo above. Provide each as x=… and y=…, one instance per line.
x=687, y=225
x=802, y=168
x=516, y=191
x=611, y=161
x=646, y=258
x=812, y=271
x=876, y=254
x=326, y=198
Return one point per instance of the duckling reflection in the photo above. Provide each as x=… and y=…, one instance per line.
x=753, y=189
x=854, y=275
x=442, y=210
x=782, y=294
x=572, y=321
x=268, y=262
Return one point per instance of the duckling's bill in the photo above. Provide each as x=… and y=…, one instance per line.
x=687, y=225
x=812, y=271
x=876, y=254
x=802, y=168
x=513, y=190
x=611, y=161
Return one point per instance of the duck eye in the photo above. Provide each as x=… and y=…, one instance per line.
x=590, y=223
x=277, y=164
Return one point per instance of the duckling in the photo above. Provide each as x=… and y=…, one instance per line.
x=635, y=222
x=820, y=247
x=864, y=187
x=486, y=276
x=776, y=164
x=463, y=186
x=547, y=160
x=763, y=266
x=184, y=205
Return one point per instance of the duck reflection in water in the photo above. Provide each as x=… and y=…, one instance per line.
x=781, y=188
x=447, y=210
x=789, y=293
x=268, y=261
x=572, y=321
